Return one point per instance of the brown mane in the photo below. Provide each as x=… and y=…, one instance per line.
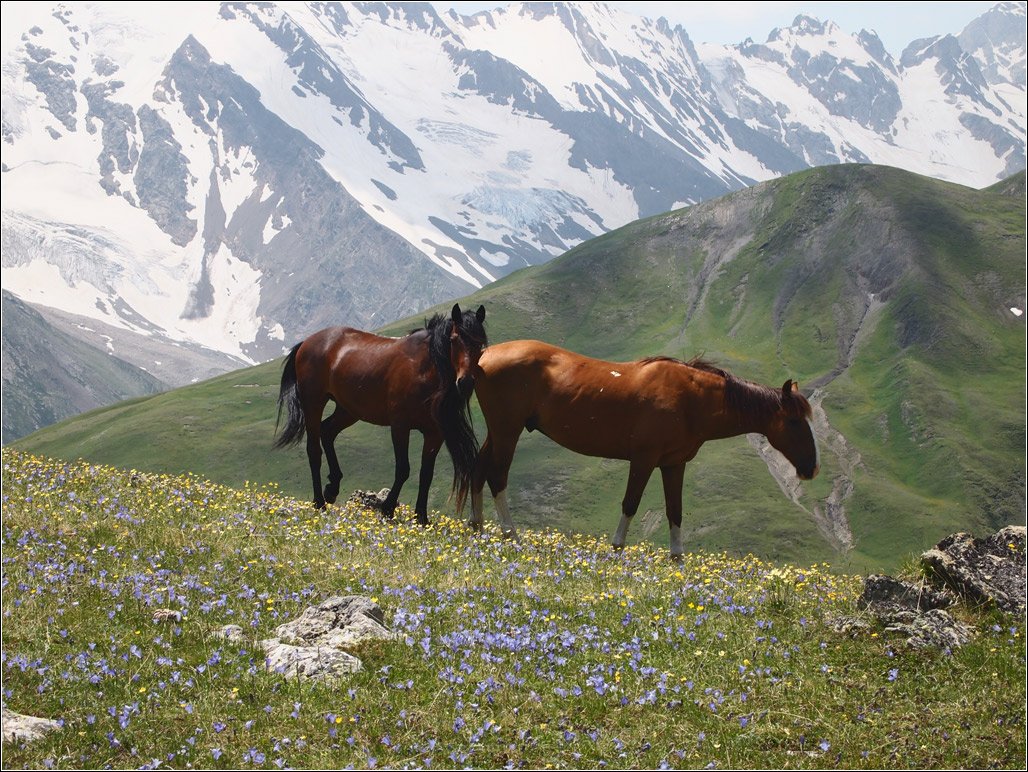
x=744, y=396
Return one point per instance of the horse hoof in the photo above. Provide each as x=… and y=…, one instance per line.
x=676, y=557
x=618, y=547
x=475, y=526
x=511, y=536
x=422, y=519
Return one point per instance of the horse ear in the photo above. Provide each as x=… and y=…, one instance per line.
x=455, y=314
x=789, y=387
x=480, y=314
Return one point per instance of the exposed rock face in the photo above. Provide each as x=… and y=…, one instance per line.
x=934, y=628
x=26, y=729
x=337, y=623
x=883, y=593
x=979, y=571
x=306, y=662
x=989, y=570
x=310, y=647
x=367, y=499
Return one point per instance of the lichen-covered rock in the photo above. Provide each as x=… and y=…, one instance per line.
x=26, y=729
x=989, y=570
x=231, y=633
x=338, y=622
x=887, y=593
x=368, y=499
x=913, y=610
x=308, y=662
x=932, y=628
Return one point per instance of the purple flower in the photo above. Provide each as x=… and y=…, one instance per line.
x=824, y=745
x=894, y=674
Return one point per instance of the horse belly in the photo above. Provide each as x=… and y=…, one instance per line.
x=589, y=431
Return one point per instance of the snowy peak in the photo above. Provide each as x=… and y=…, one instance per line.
x=235, y=175
x=997, y=40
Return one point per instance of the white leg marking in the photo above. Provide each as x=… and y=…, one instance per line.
x=676, y=541
x=621, y=532
x=503, y=512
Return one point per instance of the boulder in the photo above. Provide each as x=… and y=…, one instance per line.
x=884, y=593
x=308, y=662
x=932, y=628
x=26, y=729
x=369, y=499
x=338, y=622
x=982, y=571
x=310, y=647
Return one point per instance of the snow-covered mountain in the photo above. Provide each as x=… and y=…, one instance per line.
x=233, y=176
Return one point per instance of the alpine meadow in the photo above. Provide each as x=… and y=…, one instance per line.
x=886, y=295
x=794, y=268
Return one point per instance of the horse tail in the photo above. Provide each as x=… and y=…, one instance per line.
x=453, y=413
x=289, y=396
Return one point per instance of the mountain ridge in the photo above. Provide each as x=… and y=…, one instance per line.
x=881, y=292
x=234, y=175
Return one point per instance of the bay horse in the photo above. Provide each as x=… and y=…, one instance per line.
x=422, y=382
x=654, y=413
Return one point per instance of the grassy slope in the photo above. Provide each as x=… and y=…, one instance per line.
x=933, y=400
x=551, y=652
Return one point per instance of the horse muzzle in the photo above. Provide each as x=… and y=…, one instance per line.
x=808, y=475
x=465, y=386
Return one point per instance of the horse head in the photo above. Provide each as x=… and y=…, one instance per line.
x=790, y=433
x=467, y=342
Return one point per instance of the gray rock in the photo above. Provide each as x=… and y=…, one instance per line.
x=308, y=662
x=913, y=610
x=367, y=499
x=884, y=593
x=982, y=571
x=337, y=623
x=933, y=628
x=26, y=729
x=231, y=633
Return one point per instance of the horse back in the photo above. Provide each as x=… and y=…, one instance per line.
x=372, y=377
x=591, y=406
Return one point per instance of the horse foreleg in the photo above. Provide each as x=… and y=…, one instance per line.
x=501, y=456
x=478, y=483
x=401, y=441
x=433, y=442
x=330, y=429
x=673, y=476
x=638, y=475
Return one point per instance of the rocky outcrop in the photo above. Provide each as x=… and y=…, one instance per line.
x=311, y=647
x=982, y=571
x=368, y=499
x=976, y=571
x=26, y=729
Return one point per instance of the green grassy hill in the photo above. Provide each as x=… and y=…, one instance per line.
x=48, y=375
x=885, y=294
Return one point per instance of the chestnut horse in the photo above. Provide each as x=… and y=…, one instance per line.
x=422, y=381
x=654, y=413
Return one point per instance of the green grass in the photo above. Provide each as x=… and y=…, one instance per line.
x=932, y=399
x=553, y=652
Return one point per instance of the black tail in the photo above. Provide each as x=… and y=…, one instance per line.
x=295, y=426
x=454, y=417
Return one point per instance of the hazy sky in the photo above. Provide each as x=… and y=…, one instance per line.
x=897, y=23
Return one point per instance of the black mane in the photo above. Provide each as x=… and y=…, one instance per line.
x=452, y=411
x=747, y=397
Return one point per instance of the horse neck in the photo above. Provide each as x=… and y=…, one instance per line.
x=737, y=407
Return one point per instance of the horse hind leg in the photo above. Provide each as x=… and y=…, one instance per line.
x=312, y=418
x=638, y=475
x=433, y=442
x=330, y=429
x=673, y=477
x=401, y=443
